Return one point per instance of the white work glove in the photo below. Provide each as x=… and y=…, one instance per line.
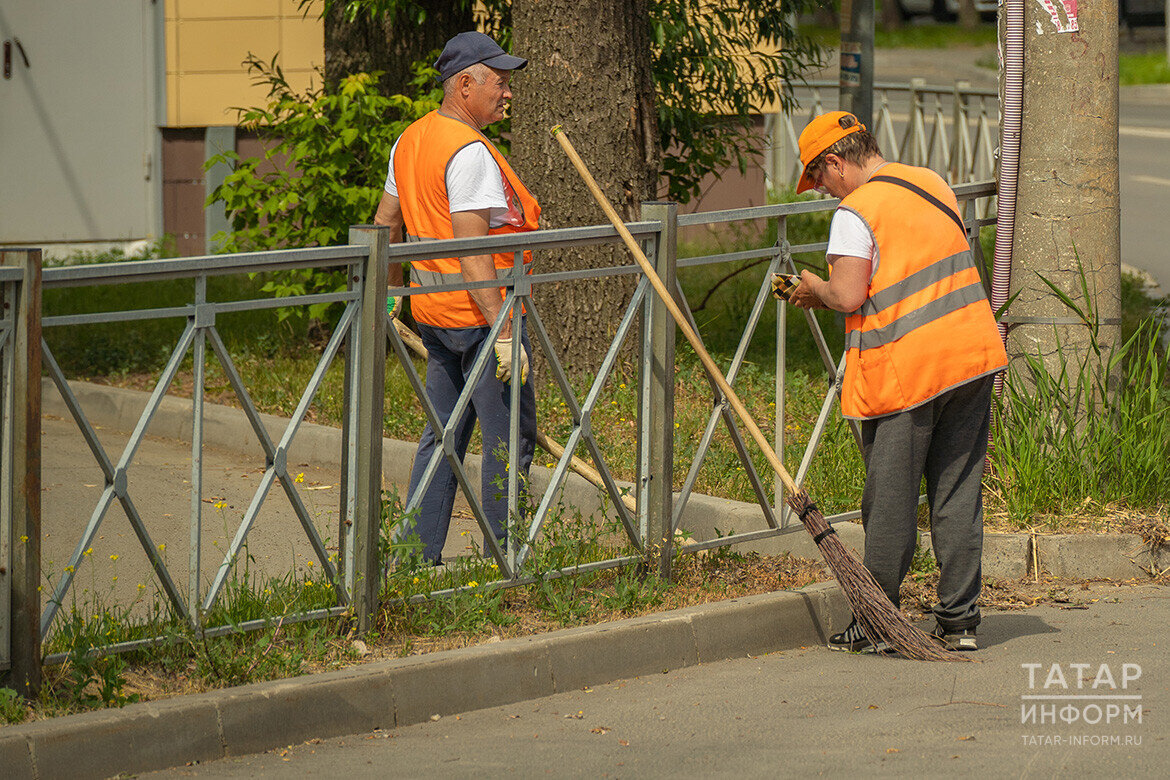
x=504, y=359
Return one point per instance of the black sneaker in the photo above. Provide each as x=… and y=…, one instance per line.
x=854, y=640
x=958, y=639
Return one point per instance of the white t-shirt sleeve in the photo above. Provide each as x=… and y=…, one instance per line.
x=849, y=236
x=391, y=187
x=474, y=181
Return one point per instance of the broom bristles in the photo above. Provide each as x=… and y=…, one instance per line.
x=879, y=618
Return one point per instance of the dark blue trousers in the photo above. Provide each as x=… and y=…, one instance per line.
x=452, y=352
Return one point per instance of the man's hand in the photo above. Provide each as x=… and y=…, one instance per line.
x=504, y=370
x=805, y=294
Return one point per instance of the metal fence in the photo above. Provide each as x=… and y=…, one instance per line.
x=951, y=130
x=20, y=489
x=648, y=521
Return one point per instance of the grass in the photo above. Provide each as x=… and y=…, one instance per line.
x=1148, y=67
x=478, y=610
x=913, y=36
x=1144, y=68
x=1070, y=434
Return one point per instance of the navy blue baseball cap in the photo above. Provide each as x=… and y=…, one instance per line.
x=468, y=48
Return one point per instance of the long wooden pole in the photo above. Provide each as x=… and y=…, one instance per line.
x=668, y=299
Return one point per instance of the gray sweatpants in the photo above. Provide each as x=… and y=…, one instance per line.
x=945, y=440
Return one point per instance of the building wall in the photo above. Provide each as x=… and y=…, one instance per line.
x=207, y=42
x=206, y=81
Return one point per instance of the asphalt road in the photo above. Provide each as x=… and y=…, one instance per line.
x=814, y=712
x=1145, y=181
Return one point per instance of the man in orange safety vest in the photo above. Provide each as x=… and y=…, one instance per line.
x=447, y=180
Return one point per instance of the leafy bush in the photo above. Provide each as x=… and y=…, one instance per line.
x=323, y=169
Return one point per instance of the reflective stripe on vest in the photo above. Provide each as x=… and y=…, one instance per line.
x=421, y=277
x=424, y=277
x=917, y=282
x=923, y=315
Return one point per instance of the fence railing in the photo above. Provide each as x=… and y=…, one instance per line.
x=647, y=522
x=951, y=130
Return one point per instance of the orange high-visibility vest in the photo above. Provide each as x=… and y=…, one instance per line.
x=420, y=169
x=926, y=325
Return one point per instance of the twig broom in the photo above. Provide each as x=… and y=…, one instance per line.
x=879, y=618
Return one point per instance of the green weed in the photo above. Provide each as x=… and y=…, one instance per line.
x=1091, y=428
x=12, y=706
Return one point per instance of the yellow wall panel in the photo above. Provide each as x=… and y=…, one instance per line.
x=302, y=42
x=211, y=98
x=300, y=80
x=172, y=99
x=220, y=45
x=228, y=9
x=293, y=8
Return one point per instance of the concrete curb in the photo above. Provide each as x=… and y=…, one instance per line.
x=390, y=694
x=1005, y=556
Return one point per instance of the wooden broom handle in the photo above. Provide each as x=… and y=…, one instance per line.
x=668, y=299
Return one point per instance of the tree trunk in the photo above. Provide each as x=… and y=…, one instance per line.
x=968, y=16
x=390, y=44
x=891, y=15
x=589, y=70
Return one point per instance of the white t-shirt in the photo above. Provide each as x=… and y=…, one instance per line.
x=849, y=236
x=474, y=181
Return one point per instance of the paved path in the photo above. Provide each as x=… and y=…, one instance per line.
x=159, y=486
x=811, y=712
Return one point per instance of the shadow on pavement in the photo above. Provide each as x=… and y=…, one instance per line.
x=999, y=627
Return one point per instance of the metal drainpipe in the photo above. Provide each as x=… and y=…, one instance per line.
x=1009, y=158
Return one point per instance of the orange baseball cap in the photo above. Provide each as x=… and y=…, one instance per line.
x=821, y=133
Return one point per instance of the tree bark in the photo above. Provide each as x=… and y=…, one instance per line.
x=390, y=44
x=589, y=70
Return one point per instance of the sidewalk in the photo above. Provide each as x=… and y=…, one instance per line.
x=808, y=712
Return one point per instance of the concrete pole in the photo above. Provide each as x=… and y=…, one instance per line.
x=856, y=86
x=1068, y=207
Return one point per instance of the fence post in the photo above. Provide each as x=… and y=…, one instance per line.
x=21, y=452
x=660, y=472
x=370, y=392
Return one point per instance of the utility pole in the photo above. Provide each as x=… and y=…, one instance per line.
x=1068, y=215
x=857, y=60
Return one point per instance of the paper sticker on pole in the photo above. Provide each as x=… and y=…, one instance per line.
x=1063, y=13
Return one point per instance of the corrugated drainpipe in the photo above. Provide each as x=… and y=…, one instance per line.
x=1009, y=159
